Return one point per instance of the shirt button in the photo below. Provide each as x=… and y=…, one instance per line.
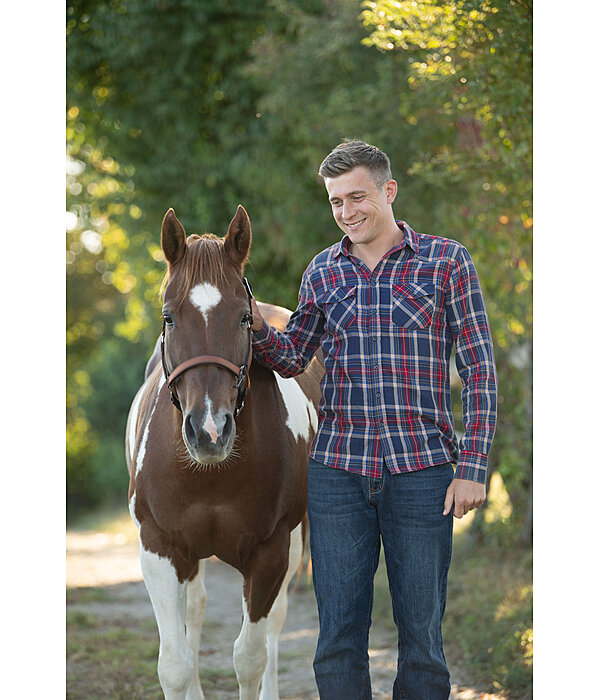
x=378, y=395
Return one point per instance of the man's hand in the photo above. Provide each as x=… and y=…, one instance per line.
x=258, y=320
x=465, y=495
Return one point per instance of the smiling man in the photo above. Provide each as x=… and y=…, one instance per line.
x=386, y=306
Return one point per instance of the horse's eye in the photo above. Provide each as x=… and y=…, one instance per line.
x=245, y=320
x=168, y=319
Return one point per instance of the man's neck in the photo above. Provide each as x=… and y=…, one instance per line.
x=371, y=253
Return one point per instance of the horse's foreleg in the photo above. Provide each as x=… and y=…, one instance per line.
x=175, y=658
x=250, y=655
x=194, y=619
x=276, y=618
x=261, y=587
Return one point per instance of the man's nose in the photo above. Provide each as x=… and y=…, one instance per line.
x=347, y=210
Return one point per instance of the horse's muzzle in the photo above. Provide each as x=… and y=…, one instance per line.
x=209, y=438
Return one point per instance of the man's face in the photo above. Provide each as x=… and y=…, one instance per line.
x=359, y=208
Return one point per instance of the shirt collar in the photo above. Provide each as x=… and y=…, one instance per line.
x=410, y=239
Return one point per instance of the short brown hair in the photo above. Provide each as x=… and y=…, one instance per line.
x=350, y=154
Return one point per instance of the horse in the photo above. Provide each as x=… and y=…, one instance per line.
x=217, y=452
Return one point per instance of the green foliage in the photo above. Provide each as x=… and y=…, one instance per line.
x=489, y=616
x=488, y=624
x=202, y=106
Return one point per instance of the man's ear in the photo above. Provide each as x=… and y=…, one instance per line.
x=239, y=237
x=391, y=190
x=172, y=238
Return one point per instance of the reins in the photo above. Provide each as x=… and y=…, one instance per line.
x=239, y=372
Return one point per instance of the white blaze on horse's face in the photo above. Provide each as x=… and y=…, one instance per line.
x=208, y=428
x=204, y=297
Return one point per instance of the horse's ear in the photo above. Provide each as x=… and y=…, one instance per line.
x=239, y=237
x=172, y=238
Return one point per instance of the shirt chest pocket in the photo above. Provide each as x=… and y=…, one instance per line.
x=339, y=307
x=413, y=305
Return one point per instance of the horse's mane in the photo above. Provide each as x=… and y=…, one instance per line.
x=202, y=262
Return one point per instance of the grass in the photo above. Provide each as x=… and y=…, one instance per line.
x=489, y=615
x=488, y=624
x=106, y=660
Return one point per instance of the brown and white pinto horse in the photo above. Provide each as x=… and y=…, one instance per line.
x=208, y=478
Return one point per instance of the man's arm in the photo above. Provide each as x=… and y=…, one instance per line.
x=289, y=353
x=475, y=363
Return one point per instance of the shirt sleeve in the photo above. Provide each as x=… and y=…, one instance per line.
x=475, y=363
x=289, y=353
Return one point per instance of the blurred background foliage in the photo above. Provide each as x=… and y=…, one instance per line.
x=200, y=106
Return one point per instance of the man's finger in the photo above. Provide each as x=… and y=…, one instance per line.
x=449, y=500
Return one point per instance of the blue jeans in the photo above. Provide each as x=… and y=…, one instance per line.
x=348, y=515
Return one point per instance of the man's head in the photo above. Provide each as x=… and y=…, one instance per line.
x=351, y=154
x=361, y=193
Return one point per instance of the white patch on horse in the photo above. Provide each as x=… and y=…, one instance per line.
x=168, y=597
x=209, y=425
x=132, y=511
x=250, y=654
x=204, y=297
x=301, y=412
x=142, y=448
x=133, y=416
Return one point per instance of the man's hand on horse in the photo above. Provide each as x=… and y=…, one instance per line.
x=257, y=323
x=465, y=495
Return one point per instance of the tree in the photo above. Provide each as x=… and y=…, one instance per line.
x=471, y=64
x=202, y=106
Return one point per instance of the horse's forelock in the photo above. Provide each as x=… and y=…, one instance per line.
x=203, y=262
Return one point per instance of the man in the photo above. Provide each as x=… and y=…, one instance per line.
x=386, y=305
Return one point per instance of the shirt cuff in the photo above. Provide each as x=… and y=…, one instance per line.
x=262, y=338
x=472, y=466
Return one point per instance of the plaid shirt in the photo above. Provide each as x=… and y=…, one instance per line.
x=386, y=337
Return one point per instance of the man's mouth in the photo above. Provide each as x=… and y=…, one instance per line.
x=354, y=224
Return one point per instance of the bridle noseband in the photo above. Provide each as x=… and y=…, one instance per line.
x=239, y=372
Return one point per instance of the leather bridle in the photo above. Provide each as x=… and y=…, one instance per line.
x=239, y=372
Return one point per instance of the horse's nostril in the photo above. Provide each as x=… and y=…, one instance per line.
x=227, y=427
x=191, y=431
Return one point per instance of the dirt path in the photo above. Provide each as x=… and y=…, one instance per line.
x=110, y=561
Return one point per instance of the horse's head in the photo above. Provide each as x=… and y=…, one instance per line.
x=206, y=339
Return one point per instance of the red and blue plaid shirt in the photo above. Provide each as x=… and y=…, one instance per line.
x=387, y=336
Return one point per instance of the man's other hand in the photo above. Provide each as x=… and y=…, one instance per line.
x=465, y=495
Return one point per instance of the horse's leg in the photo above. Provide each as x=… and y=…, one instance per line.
x=261, y=586
x=276, y=618
x=175, y=658
x=250, y=655
x=194, y=619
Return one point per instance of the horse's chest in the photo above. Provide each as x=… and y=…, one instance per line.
x=199, y=530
